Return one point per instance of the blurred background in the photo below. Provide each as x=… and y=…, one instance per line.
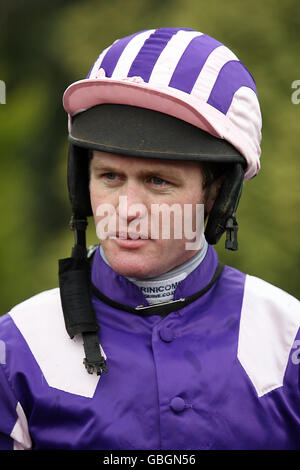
x=45, y=46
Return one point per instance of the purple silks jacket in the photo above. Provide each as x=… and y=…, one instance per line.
x=221, y=373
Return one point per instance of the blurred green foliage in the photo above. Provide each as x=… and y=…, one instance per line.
x=47, y=45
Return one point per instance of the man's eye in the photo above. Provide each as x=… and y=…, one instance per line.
x=109, y=176
x=158, y=181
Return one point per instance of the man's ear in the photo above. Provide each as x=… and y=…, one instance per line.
x=212, y=192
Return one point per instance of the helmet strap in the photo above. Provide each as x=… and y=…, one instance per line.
x=75, y=292
x=223, y=214
x=231, y=228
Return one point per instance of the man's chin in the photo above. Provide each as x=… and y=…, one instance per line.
x=139, y=272
x=128, y=263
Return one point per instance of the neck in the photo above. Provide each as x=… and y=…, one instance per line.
x=161, y=288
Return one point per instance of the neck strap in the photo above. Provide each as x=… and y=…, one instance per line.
x=163, y=308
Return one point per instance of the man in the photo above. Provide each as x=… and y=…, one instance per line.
x=165, y=347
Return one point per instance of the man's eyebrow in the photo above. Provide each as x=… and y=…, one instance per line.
x=166, y=172
x=143, y=172
x=162, y=172
x=104, y=166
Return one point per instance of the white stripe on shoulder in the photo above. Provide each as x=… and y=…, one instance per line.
x=270, y=320
x=164, y=68
x=20, y=433
x=41, y=322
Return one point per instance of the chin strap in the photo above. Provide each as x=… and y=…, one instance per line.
x=75, y=292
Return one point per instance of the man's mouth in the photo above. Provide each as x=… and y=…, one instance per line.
x=129, y=236
x=129, y=240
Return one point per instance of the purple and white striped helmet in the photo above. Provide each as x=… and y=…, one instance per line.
x=182, y=73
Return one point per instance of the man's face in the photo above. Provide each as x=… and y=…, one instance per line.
x=146, y=182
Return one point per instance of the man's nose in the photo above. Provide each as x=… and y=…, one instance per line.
x=132, y=202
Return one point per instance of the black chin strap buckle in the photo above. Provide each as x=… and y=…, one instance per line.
x=231, y=228
x=97, y=367
x=94, y=361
